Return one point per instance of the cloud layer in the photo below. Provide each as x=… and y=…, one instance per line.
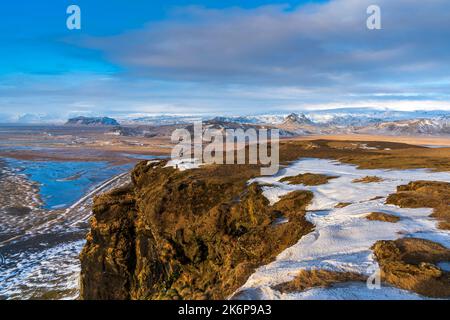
x=309, y=46
x=236, y=60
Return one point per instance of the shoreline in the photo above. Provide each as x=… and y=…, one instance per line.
x=50, y=235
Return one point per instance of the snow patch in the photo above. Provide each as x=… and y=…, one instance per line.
x=184, y=164
x=342, y=237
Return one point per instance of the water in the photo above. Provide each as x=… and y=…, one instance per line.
x=142, y=156
x=63, y=183
x=43, y=223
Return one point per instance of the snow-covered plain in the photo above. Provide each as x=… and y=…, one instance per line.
x=342, y=237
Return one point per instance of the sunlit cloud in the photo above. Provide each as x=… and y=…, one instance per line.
x=259, y=59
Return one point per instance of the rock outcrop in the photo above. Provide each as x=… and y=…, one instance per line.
x=196, y=234
x=92, y=121
x=412, y=264
x=200, y=233
x=425, y=194
x=383, y=217
x=309, y=179
x=317, y=278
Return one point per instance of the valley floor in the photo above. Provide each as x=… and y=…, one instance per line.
x=431, y=141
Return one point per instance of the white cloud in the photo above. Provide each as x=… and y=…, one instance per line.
x=251, y=60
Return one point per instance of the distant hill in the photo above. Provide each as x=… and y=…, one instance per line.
x=300, y=124
x=295, y=119
x=92, y=121
x=437, y=126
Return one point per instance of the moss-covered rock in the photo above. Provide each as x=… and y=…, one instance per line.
x=196, y=234
x=411, y=264
x=425, y=194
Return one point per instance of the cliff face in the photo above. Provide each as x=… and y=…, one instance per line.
x=196, y=234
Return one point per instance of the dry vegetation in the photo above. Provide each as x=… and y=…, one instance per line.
x=342, y=204
x=368, y=179
x=399, y=155
x=381, y=216
x=363, y=138
x=200, y=233
x=309, y=179
x=410, y=264
x=196, y=234
x=425, y=194
x=307, y=279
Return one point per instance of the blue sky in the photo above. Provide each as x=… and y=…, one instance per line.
x=221, y=57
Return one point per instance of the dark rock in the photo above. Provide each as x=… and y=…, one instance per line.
x=181, y=235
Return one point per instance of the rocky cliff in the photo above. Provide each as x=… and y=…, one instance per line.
x=196, y=234
x=199, y=234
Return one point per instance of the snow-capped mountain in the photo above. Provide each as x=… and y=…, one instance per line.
x=437, y=126
x=256, y=119
x=164, y=120
x=336, y=121
x=345, y=117
x=299, y=124
x=223, y=126
x=332, y=121
x=32, y=118
x=368, y=116
x=299, y=120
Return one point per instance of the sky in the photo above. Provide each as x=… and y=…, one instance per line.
x=221, y=57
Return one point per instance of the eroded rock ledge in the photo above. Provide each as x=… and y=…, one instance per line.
x=411, y=264
x=197, y=234
x=308, y=179
x=425, y=194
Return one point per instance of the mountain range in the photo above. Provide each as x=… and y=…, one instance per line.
x=331, y=121
x=353, y=121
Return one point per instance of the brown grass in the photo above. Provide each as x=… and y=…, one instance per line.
x=425, y=194
x=307, y=279
x=380, y=216
x=437, y=141
x=400, y=156
x=410, y=264
x=368, y=179
x=200, y=233
x=342, y=204
x=308, y=179
x=194, y=234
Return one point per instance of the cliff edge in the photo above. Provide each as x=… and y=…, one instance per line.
x=196, y=234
